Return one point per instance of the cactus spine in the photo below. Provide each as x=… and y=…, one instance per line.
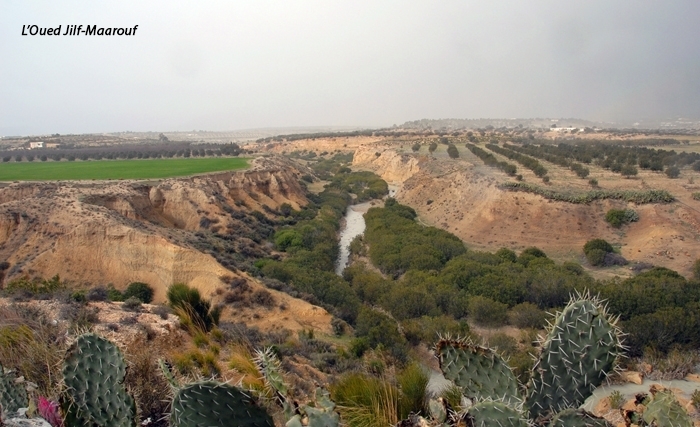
x=489, y=413
x=579, y=351
x=665, y=411
x=578, y=418
x=94, y=394
x=12, y=395
x=321, y=415
x=480, y=372
x=214, y=404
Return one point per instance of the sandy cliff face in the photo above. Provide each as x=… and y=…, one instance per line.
x=126, y=231
x=386, y=162
x=462, y=196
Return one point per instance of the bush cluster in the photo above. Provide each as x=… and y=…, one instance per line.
x=595, y=251
x=541, y=152
x=526, y=161
x=491, y=160
x=618, y=217
x=638, y=197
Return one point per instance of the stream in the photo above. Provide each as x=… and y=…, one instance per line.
x=353, y=226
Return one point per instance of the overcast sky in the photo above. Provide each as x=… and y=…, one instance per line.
x=225, y=65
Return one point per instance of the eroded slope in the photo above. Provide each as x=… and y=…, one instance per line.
x=158, y=233
x=462, y=196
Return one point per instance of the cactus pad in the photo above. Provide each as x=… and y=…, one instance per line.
x=578, y=418
x=579, y=351
x=495, y=414
x=322, y=415
x=480, y=372
x=213, y=404
x=665, y=411
x=270, y=368
x=93, y=374
x=12, y=396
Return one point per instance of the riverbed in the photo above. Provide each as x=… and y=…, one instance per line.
x=354, y=225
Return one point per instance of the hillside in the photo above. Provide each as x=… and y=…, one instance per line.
x=192, y=230
x=462, y=196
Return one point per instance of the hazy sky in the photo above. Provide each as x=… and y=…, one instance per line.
x=224, y=65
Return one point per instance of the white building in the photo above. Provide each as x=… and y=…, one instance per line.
x=38, y=144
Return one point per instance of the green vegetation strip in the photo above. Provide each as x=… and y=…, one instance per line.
x=117, y=169
x=639, y=197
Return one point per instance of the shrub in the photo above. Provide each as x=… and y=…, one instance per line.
x=573, y=267
x=696, y=196
x=595, y=251
x=114, y=294
x=36, y=287
x=619, y=217
x=487, y=312
x=504, y=344
x=427, y=329
x=162, y=311
x=31, y=345
x=144, y=378
x=615, y=217
x=614, y=259
x=596, y=257
x=452, y=151
x=597, y=244
x=616, y=399
x=132, y=304
x=378, y=328
x=369, y=401
x=695, y=397
x=413, y=382
x=139, y=290
x=192, y=310
x=593, y=182
x=638, y=197
x=507, y=255
x=98, y=293
x=527, y=315
x=673, y=172
x=263, y=297
x=628, y=171
x=415, y=147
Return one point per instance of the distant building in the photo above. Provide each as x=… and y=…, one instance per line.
x=52, y=144
x=38, y=144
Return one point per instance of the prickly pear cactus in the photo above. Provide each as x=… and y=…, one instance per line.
x=168, y=375
x=665, y=411
x=438, y=409
x=12, y=396
x=322, y=415
x=480, y=372
x=491, y=414
x=579, y=351
x=213, y=404
x=270, y=368
x=94, y=394
x=578, y=418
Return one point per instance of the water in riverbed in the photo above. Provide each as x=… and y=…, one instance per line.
x=354, y=226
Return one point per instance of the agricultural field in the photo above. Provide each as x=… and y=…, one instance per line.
x=117, y=169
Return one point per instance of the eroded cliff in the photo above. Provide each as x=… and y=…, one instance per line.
x=159, y=233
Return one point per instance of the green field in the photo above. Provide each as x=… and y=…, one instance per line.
x=116, y=169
